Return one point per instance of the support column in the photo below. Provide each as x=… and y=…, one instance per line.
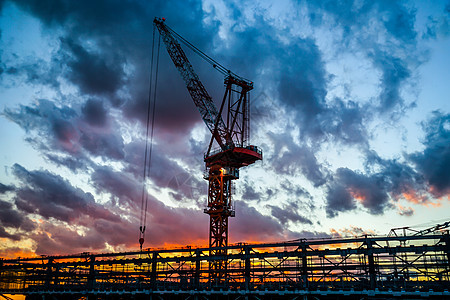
x=91, y=277
x=304, y=271
x=154, y=269
x=446, y=240
x=371, y=261
x=197, y=269
x=247, y=267
x=49, y=275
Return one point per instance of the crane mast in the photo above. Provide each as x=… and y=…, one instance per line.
x=229, y=127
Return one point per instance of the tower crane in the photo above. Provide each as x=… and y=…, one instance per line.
x=229, y=127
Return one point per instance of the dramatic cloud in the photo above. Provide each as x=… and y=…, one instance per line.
x=92, y=72
x=292, y=159
x=94, y=112
x=51, y=196
x=434, y=161
x=289, y=213
x=5, y=188
x=65, y=130
x=326, y=75
x=376, y=190
x=349, y=186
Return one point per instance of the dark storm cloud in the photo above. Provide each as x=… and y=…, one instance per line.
x=370, y=190
x=53, y=239
x=288, y=213
x=5, y=188
x=13, y=219
x=434, y=161
x=292, y=159
x=302, y=85
x=94, y=112
x=120, y=185
x=251, y=225
x=400, y=177
x=374, y=190
x=93, y=73
x=105, y=51
x=35, y=72
x=181, y=224
x=47, y=121
x=75, y=164
x=164, y=171
x=108, y=144
x=161, y=167
x=102, y=39
x=8, y=216
x=394, y=74
x=338, y=200
x=64, y=130
x=292, y=68
x=51, y=196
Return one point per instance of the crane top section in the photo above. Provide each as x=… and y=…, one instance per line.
x=229, y=75
x=229, y=125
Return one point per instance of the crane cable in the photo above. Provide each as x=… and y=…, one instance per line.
x=148, y=149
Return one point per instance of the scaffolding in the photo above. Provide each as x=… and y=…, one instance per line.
x=350, y=266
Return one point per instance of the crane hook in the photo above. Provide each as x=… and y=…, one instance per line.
x=141, y=236
x=141, y=241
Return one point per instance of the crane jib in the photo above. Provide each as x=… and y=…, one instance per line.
x=199, y=95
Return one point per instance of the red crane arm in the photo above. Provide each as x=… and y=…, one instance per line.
x=202, y=100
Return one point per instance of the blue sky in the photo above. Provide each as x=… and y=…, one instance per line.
x=350, y=106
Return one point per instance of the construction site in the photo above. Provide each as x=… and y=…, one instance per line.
x=398, y=266
x=406, y=264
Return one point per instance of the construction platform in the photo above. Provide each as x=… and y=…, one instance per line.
x=389, y=267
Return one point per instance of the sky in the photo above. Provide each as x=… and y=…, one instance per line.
x=350, y=107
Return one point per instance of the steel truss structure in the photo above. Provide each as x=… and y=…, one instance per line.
x=361, y=267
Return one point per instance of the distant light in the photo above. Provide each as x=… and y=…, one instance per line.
x=163, y=19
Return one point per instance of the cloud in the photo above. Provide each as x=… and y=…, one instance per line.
x=250, y=193
x=95, y=118
x=352, y=231
x=394, y=74
x=434, y=161
x=348, y=186
x=94, y=113
x=405, y=211
x=64, y=130
x=251, y=225
x=94, y=73
x=385, y=34
x=5, y=188
x=51, y=196
x=10, y=218
x=385, y=182
x=288, y=213
x=106, y=55
x=293, y=159
x=118, y=184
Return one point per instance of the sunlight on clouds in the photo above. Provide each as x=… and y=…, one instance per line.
x=345, y=148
